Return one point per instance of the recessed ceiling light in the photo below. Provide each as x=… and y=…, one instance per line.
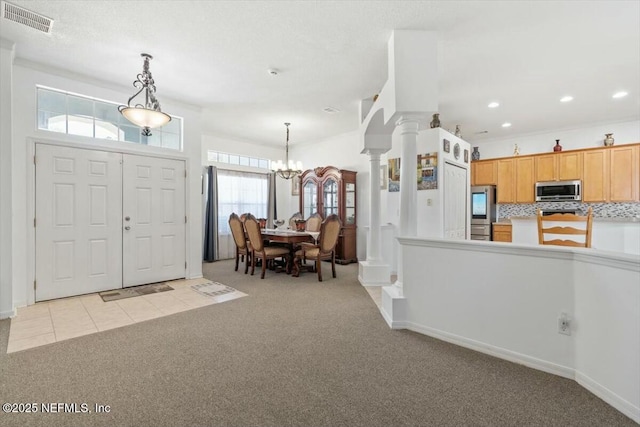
x=493, y=104
x=506, y=125
x=621, y=94
x=566, y=98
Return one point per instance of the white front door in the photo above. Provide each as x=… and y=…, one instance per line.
x=455, y=202
x=153, y=212
x=79, y=221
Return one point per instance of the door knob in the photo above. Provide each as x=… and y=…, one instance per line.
x=127, y=228
x=126, y=218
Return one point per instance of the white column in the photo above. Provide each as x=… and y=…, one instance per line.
x=374, y=271
x=408, y=185
x=373, y=243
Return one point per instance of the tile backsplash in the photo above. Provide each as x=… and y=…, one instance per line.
x=600, y=210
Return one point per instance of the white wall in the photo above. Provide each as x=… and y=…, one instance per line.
x=6, y=61
x=627, y=132
x=504, y=299
x=26, y=77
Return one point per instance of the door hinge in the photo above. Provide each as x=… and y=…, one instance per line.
x=34, y=160
x=185, y=219
x=34, y=222
x=35, y=285
x=185, y=265
x=185, y=173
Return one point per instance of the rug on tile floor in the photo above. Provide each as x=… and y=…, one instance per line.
x=135, y=291
x=212, y=289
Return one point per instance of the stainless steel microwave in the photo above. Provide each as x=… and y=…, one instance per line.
x=558, y=191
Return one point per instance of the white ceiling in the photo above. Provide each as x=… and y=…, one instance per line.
x=215, y=54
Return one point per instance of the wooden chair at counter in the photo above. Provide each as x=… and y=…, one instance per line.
x=325, y=249
x=258, y=248
x=240, y=239
x=585, y=231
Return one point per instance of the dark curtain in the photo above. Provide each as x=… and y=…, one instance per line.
x=209, y=254
x=272, y=210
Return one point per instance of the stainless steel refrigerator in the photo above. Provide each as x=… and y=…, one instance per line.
x=483, y=211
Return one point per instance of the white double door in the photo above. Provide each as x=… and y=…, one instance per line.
x=106, y=220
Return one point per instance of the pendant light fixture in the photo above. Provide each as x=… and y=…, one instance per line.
x=287, y=169
x=147, y=115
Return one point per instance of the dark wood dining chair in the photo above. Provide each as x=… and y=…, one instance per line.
x=313, y=222
x=325, y=249
x=258, y=248
x=240, y=239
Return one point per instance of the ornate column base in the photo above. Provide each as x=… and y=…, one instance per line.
x=372, y=273
x=394, y=307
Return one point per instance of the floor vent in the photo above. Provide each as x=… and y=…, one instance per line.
x=26, y=17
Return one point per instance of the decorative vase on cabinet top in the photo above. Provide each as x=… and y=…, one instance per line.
x=475, y=154
x=608, y=140
x=435, y=123
x=557, y=147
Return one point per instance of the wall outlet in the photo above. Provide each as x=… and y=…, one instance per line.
x=429, y=202
x=564, y=324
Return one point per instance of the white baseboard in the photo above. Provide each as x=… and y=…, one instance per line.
x=495, y=351
x=608, y=396
x=390, y=322
x=8, y=313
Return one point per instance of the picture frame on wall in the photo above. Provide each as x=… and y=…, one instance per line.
x=446, y=145
x=295, y=186
x=466, y=155
x=384, y=177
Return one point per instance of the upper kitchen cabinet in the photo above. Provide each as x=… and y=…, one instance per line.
x=595, y=175
x=506, y=173
x=623, y=173
x=525, y=179
x=484, y=172
x=559, y=166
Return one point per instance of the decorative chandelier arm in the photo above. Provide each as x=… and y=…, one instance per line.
x=149, y=115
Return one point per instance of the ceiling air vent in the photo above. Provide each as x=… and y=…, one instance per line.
x=26, y=17
x=330, y=110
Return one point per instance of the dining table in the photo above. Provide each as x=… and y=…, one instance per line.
x=290, y=238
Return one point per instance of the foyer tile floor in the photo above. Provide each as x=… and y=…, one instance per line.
x=58, y=320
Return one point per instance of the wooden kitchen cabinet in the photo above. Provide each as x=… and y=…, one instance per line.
x=559, y=166
x=570, y=166
x=506, y=178
x=595, y=166
x=525, y=179
x=484, y=172
x=501, y=232
x=623, y=174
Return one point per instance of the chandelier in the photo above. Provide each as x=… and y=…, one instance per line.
x=149, y=115
x=293, y=169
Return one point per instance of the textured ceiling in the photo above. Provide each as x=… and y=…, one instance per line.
x=215, y=54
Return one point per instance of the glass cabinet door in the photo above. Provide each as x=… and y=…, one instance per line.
x=350, y=203
x=330, y=192
x=309, y=199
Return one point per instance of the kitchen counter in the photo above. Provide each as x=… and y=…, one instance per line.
x=635, y=219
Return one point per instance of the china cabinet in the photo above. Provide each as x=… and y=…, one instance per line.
x=329, y=190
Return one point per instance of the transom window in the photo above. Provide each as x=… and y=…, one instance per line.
x=74, y=114
x=236, y=159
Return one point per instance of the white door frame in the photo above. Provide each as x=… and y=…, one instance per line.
x=31, y=195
